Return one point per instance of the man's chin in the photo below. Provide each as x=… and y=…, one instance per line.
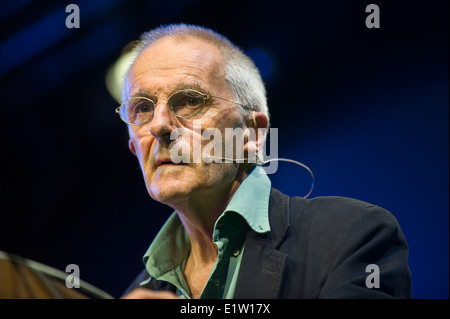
x=168, y=194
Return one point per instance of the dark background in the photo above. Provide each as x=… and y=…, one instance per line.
x=365, y=109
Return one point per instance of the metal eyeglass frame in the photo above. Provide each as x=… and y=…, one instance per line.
x=203, y=95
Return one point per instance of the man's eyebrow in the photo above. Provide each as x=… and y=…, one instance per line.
x=144, y=92
x=188, y=86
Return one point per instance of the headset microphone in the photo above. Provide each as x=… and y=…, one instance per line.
x=260, y=163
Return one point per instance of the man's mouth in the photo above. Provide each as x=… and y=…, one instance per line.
x=166, y=162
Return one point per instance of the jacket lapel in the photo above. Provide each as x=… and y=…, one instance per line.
x=262, y=266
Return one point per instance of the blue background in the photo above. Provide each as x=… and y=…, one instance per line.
x=365, y=109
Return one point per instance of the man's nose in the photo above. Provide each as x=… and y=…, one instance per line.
x=163, y=121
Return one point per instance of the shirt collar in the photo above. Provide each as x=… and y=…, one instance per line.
x=169, y=248
x=251, y=200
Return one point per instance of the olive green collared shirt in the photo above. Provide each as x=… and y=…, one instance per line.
x=167, y=255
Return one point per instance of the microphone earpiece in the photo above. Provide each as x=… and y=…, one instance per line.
x=207, y=156
x=261, y=162
x=254, y=119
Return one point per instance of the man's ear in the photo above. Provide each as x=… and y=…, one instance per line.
x=131, y=147
x=256, y=121
x=259, y=119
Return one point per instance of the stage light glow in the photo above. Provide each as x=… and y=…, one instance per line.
x=116, y=73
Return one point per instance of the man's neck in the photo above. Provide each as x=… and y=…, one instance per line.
x=199, y=217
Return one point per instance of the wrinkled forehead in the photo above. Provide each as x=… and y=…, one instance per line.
x=173, y=60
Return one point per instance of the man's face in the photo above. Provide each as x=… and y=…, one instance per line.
x=165, y=67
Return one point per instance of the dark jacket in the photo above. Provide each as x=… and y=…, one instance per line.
x=320, y=248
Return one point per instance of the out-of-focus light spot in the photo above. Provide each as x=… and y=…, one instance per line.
x=116, y=74
x=265, y=60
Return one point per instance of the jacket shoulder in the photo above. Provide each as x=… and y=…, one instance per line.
x=337, y=211
x=331, y=241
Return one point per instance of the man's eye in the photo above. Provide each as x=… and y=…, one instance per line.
x=142, y=108
x=193, y=101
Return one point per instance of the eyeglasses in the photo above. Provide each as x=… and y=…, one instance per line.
x=184, y=104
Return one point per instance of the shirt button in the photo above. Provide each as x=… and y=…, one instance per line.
x=236, y=253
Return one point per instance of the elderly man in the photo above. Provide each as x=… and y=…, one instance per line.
x=232, y=235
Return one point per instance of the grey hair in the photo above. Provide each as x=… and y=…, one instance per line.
x=241, y=74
